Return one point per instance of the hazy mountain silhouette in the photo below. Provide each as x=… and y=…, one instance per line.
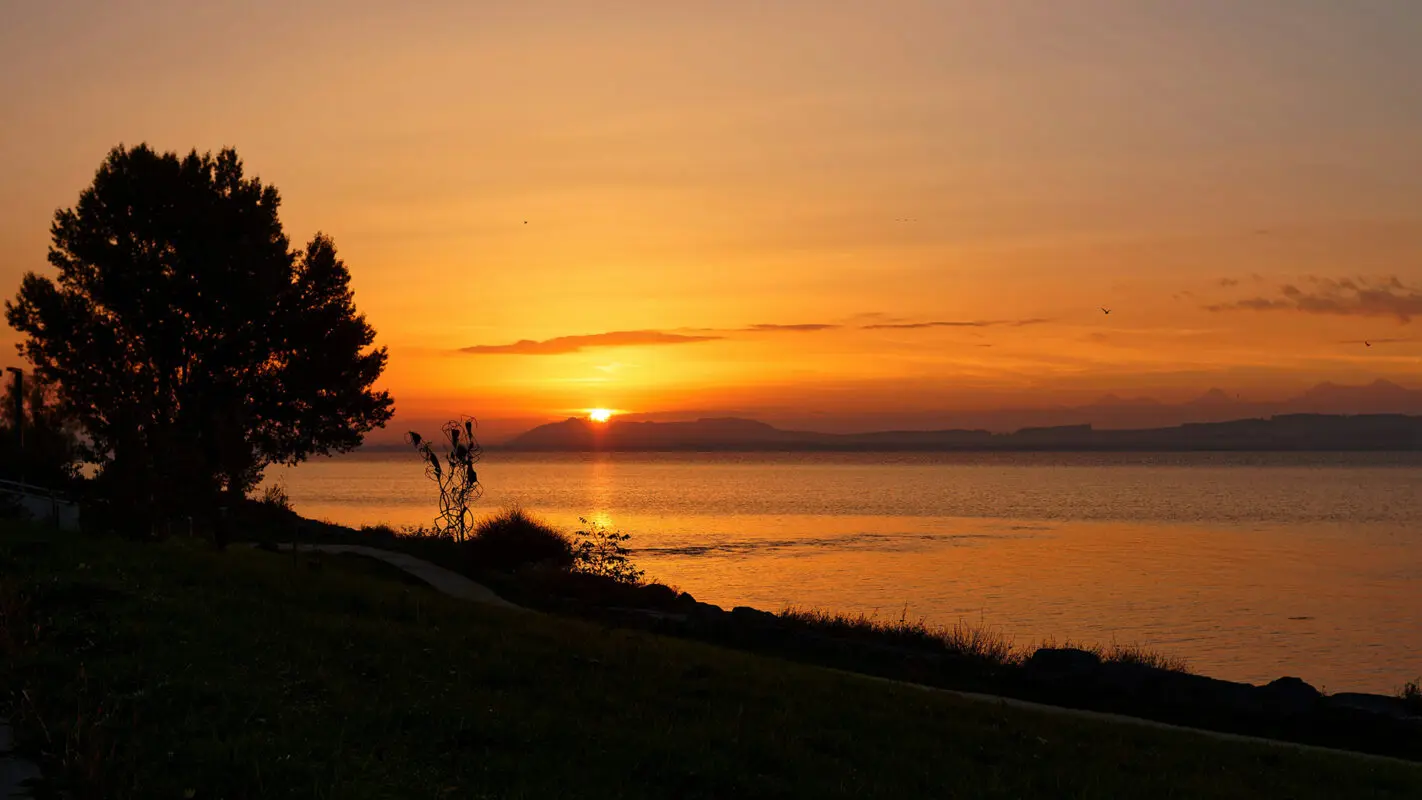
x=1214, y=397
x=1215, y=405
x=1281, y=432
x=1378, y=397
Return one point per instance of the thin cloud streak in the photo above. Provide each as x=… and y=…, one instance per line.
x=562, y=345
x=805, y=327
x=1388, y=297
x=982, y=323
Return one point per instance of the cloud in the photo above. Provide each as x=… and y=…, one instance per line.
x=1227, y=282
x=1388, y=297
x=1345, y=297
x=767, y=327
x=573, y=344
x=981, y=323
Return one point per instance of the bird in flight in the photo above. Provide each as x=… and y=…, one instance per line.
x=1105, y=310
x=1367, y=343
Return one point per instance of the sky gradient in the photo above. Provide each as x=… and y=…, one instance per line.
x=786, y=209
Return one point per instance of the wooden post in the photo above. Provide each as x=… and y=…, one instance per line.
x=19, y=419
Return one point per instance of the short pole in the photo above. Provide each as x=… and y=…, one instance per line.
x=19, y=412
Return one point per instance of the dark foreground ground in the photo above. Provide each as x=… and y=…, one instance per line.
x=170, y=670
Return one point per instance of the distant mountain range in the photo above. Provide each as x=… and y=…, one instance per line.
x=1282, y=432
x=1215, y=405
x=1378, y=416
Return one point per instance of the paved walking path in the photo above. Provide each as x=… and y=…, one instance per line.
x=451, y=583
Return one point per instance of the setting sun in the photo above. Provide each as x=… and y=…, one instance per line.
x=600, y=414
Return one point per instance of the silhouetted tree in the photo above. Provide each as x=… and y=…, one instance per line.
x=47, y=451
x=192, y=344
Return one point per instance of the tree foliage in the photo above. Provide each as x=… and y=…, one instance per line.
x=187, y=338
x=50, y=452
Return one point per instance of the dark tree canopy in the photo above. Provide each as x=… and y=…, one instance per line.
x=49, y=454
x=187, y=338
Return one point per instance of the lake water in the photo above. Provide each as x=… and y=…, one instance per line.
x=1251, y=566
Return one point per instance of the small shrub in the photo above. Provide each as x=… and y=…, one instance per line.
x=1137, y=655
x=420, y=532
x=599, y=551
x=275, y=496
x=1411, y=695
x=10, y=507
x=513, y=539
x=17, y=626
x=379, y=533
x=978, y=642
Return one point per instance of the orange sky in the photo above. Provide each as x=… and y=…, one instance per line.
x=692, y=170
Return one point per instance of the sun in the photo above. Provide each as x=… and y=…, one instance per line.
x=599, y=414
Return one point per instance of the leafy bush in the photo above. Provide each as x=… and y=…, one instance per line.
x=381, y=532
x=513, y=539
x=599, y=551
x=1411, y=695
x=275, y=496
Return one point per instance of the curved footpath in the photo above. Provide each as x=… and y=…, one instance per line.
x=456, y=585
x=447, y=581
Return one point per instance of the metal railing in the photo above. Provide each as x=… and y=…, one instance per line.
x=44, y=504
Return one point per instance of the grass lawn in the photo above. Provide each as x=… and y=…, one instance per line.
x=173, y=671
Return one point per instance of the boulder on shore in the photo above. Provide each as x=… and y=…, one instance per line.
x=1290, y=696
x=1064, y=662
x=1379, y=704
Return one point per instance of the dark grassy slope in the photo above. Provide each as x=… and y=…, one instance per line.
x=155, y=670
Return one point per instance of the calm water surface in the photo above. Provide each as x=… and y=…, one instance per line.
x=1249, y=566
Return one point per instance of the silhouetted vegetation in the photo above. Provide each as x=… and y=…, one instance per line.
x=961, y=640
x=598, y=551
x=169, y=670
x=275, y=496
x=513, y=539
x=1411, y=694
x=189, y=341
x=978, y=642
x=1134, y=655
x=453, y=472
x=44, y=450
